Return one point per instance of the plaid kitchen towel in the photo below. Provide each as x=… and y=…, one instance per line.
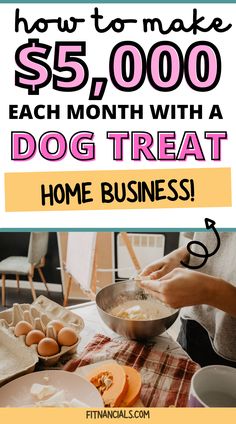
x=165, y=377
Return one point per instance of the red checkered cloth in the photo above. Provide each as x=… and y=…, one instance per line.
x=165, y=377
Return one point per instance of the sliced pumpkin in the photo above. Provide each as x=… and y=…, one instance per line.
x=111, y=382
x=134, y=386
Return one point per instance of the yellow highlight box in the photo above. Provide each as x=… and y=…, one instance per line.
x=100, y=190
x=83, y=416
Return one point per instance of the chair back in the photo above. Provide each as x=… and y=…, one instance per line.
x=38, y=246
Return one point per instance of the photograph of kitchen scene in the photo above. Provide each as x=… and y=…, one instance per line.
x=117, y=319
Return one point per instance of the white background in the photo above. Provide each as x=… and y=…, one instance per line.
x=99, y=47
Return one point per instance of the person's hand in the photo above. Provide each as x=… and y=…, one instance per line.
x=163, y=266
x=181, y=287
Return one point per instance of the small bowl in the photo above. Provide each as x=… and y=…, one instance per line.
x=109, y=296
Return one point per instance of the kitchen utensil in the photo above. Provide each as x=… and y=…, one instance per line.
x=17, y=392
x=213, y=386
x=112, y=295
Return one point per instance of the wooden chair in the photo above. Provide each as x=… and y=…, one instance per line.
x=26, y=265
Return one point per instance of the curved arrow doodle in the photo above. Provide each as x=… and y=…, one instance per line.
x=210, y=225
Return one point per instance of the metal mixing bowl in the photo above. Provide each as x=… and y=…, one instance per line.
x=110, y=296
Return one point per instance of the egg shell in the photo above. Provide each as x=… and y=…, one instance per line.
x=67, y=337
x=57, y=325
x=34, y=337
x=48, y=347
x=22, y=328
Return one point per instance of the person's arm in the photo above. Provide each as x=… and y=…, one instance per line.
x=166, y=264
x=183, y=287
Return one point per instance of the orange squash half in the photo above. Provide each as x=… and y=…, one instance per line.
x=134, y=386
x=111, y=382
